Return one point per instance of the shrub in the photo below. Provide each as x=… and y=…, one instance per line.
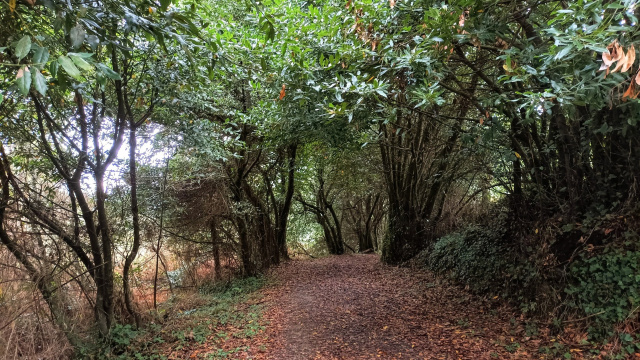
x=606, y=287
x=121, y=336
x=475, y=256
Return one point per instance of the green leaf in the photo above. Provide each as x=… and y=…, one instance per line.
x=563, y=52
x=81, y=63
x=160, y=39
x=93, y=41
x=184, y=20
x=53, y=69
x=23, y=80
x=62, y=81
x=41, y=57
x=268, y=29
x=77, y=35
x=108, y=72
x=615, y=6
x=23, y=47
x=83, y=55
x=39, y=82
x=69, y=67
x=102, y=81
x=1, y=98
x=164, y=4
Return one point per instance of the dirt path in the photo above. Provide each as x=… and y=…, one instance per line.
x=353, y=307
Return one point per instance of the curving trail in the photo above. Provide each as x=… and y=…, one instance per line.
x=354, y=307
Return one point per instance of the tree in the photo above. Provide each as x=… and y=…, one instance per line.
x=78, y=118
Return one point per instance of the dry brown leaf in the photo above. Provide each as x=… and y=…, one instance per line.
x=630, y=93
x=630, y=59
x=282, y=92
x=622, y=62
x=475, y=41
x=638, y=77
x=618, y=53
x=12, y=5
x=501, y=44
x=613, y=54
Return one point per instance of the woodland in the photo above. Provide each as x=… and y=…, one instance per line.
x=157, y=152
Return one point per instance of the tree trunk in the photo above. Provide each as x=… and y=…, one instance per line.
x=104, y=306
x=215, y=241
x=245, y=247
x=126, y=285
x=404, y=237
x=281, y=226
x=160, y=231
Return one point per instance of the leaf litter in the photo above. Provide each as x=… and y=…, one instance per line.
x=355, y=307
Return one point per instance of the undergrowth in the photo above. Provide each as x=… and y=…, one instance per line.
x=471, y=257
x=193, y=324
x=582, y=275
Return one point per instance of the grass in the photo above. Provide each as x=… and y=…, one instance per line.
x=214, y=322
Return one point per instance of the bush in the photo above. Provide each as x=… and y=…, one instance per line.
x=606, y=287
x=121, y=337
x=475, y=256
x=537, y=267
x=489, y=260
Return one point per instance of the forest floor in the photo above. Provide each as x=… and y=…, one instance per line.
x=354, y=307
